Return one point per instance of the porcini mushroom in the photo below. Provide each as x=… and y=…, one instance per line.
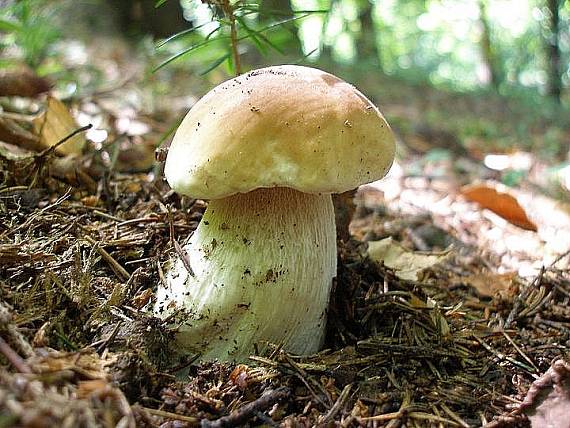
x=266, y=149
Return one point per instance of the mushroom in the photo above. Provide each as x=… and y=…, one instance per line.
x=267, y=149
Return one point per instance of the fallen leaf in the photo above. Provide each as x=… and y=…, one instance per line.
x=72, y=169
x=239, y=376
x=136, y=155
x=92, y=387
x=407, y=264
x=22, y=83
x=12, y=152
x=86, y=364
x=90, y=201
x=438, y=319
x=56, y=123
x=142, y=298
x=497, y=286
x=501, y=203
x=15, y=135
x=547, y=401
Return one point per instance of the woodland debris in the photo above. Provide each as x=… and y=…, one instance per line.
x=547, y=401
x=405, y=263
x=83, y=396
x=56, y=124
x=12, y=133
x=244, y=413
x=420, y=351
x=494, y=286
x=501, y=203
x=22, y=83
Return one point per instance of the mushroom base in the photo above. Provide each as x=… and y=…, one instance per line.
x=263, y=264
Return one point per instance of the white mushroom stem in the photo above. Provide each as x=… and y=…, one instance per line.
x=263, y=264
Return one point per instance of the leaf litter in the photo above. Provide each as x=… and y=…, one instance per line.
x=81, y=253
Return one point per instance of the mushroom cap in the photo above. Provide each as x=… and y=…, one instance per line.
x=280, y=126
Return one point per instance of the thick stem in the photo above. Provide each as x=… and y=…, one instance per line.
x=263, y=266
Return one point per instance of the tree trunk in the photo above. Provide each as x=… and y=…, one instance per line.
x=487, y=48
x=553, y=50
x=366, y=47
x=141, y=17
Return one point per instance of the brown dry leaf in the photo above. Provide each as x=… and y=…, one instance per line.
x=142, y=298
x=91, y=387
x=86, y=364
x=436, y=316
x=239, y=376
x=15, y=135
x=22, y=83
x=13, y=152
x=56, y=123
x=73, y=169
x=90, y=201
x=501, y=203
x=136, y=155
x=406, y=264
x=438, y=319
x=40, y=339
x=502, y=287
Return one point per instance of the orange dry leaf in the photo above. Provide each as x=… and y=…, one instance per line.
x=90, y=201
x=239, y=376
x=142, y=298
x=500, y=287
x=500, y=203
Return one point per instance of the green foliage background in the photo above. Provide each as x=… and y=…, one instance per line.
x=434, y=41
x=428, y=54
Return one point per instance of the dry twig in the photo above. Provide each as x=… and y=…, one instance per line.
x=247, y=411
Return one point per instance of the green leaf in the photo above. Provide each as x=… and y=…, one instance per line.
x=259, y=33
x=185, y=52
x=270, y=43
x=252, y=35
x=304, y=57
x=279, y=23
x=255, y=35
x=7, y=63
x=9, y=26
x=180, y=34
x=230, y=66
x=159, y=3
x=215, y=64
x=211, y=33
x=205, y=42
x=254, y=8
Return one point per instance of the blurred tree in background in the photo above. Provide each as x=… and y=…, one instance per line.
x=553, y=37
x=141, y=16
x=518, y=49
x=464, y=44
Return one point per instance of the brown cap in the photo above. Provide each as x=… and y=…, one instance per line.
x=281, y=126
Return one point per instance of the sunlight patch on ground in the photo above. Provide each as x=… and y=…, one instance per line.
x=516, y=249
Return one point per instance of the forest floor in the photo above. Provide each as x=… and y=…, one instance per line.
x=450, y=306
